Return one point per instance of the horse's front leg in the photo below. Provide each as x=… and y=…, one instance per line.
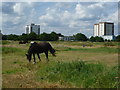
x=38, y=56
x=34, y=58
x=46, y=53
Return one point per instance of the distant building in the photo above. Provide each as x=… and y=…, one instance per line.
x=104, y=30
x=32, y=28
x=67, y=38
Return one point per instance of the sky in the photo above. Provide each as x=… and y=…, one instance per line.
x=67, y=18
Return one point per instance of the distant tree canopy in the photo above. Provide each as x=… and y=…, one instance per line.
x=10, y=37
x=96, y=39
x=32, y=36
x=23, y=37
x=80, y=37
x=118, y=38
x=44, y=37
x=49, y=37
x=53, y=36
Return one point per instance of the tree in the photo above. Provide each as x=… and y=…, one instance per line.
x=4, y=37
x=92, y=39
x=80, y=37
x=53, y=36
x=60, y=35
x=44, y=37
x=118, y=38
x=99, y=39
x=96, y=39
x=32, y=36
x=12, y=37
x=24, y=37
x=48, y=37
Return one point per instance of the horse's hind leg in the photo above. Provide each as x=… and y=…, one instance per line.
x=38, y=56
x=34, y=58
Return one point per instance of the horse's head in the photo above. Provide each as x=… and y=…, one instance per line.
x=53, y=52
x=28, y=56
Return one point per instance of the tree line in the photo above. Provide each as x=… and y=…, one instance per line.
x=33, y=36
x=53, y=36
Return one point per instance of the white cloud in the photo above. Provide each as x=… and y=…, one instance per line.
x=79, y=9
x=21, y=7
x=96, y=5
x=66, y=15
x=18, y=8
x=82, y=12
x=46, y=18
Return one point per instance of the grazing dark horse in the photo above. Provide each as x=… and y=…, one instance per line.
x=23, y=42
x=37, y=48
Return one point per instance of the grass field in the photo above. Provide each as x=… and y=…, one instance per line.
x=92, y=66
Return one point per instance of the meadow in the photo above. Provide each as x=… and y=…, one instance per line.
x=75, y=66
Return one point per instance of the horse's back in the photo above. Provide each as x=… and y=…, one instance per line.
x=35, y=48
x=45, y=45
x=39, y=47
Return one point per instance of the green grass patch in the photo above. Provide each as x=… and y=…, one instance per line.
x=6, y=50
x=80, y=74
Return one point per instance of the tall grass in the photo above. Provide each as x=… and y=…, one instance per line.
x=80, y=74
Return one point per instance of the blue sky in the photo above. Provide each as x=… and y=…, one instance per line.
x=67, y=18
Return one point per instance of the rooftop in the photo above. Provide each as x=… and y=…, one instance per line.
x=104, y=22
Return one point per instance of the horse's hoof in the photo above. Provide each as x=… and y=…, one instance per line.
x=34, y=62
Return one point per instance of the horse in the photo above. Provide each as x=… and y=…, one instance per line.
x=23, y=42
x=37, y=48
